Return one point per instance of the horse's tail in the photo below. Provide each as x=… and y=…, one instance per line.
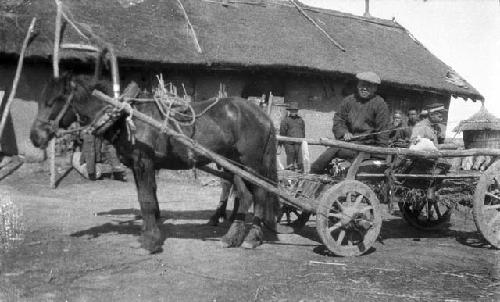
x=271, y=173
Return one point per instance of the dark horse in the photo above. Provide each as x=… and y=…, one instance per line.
x=232, y=127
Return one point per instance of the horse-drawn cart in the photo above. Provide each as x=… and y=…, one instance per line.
x=348, y=215
x=347, y=203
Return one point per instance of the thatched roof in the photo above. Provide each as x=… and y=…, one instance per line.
x=482, y=120
x=255, y=34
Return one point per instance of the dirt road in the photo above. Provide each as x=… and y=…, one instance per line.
x=80, y=238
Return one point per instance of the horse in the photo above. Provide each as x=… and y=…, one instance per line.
x=231, y=127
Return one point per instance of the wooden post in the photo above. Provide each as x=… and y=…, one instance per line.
x=270, y=104
x=57, y=40
x=306, y=161
x=52, y=162
x=16, y=77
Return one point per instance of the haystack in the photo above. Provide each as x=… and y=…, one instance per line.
x=481, y=130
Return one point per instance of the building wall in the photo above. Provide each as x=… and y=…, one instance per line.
x=318, y=96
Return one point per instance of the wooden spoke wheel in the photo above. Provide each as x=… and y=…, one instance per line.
x=426, y=214
x=486, y=208
x=348, y=218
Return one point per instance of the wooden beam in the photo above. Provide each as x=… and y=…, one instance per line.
x=19, y=68
x=392, y=151
x=191, y=28
x=57, y=40
x=337, y=44
x=82, y=47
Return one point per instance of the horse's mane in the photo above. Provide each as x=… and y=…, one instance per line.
x=86, y=84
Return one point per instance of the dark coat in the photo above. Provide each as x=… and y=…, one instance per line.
x=361, y=117
x=293, y=127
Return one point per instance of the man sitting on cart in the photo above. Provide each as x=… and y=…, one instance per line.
x=363, y=118
x=430, y=126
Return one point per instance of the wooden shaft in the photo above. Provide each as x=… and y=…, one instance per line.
x=12, y=93
x=423, y=176
x=200, y=150
x=393, y=151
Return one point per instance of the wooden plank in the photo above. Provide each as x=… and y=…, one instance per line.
x=19, y=68
x=393, y=151
x=200, y=150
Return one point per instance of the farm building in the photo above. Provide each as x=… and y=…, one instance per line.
x=252, y=47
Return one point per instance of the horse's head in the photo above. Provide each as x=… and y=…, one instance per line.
x=61, y=101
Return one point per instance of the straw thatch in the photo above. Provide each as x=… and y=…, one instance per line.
x=245, y=34
x=482, y=120
x=481, y=130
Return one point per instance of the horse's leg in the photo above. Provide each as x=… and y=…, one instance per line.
x=236, y=206
x=144, y=176
x=220, y=212
x=255, y=236
x=234, y=237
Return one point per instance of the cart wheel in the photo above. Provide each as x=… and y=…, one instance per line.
x=426, y=215
x=348, y=218
x=486, y=209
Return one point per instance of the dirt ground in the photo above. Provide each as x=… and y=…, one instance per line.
x=80, y=246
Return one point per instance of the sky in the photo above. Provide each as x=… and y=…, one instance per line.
x=464, y=34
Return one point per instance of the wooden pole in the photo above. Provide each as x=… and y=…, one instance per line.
x=270, y=104
x=392, y=151
x=57, y=40
x=317, y=26
x=16, y=77
x=200, y=150
x=306, y=161
x=52, y=162
x=191, y=28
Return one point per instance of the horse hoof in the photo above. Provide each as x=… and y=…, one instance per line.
x=254, y=238
x=235, y=236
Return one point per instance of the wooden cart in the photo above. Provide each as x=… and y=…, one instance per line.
x=347, y=206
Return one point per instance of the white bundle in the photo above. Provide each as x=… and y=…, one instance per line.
x=423, y=144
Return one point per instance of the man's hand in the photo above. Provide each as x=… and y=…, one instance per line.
x=348, y=136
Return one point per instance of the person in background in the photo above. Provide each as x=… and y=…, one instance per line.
x=427, y=127
x=400, y=135
x=412, y=118
x=293, y=126
x=363, y=118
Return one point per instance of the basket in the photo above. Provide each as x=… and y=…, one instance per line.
x=481, y=139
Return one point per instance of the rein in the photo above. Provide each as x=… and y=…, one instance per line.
x=54, y=124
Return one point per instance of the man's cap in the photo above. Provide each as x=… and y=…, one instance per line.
x=293, y=106
x=368, y=76
x=436, y=107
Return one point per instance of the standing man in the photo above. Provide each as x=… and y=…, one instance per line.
x=360, y=115
x=293, y=126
